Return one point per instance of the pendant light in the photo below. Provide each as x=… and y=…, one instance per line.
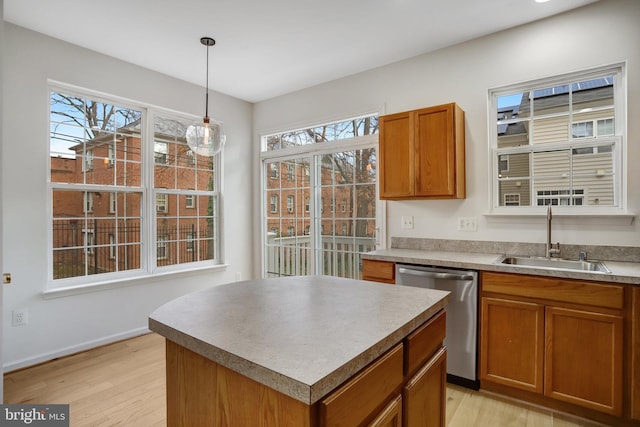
x=206, y=137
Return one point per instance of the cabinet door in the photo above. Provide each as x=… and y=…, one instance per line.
x=584, y=359
x=512, y=339
x=425, y=394
x=396, y=157
x=391, y=416
x=634, y=345
x=439, y=148
x=435, y=156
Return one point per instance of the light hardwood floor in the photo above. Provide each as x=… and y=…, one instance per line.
x=123, y=384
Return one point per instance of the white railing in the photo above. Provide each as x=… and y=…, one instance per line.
x=291, y=256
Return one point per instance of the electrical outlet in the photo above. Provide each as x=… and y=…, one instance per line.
x=19, y=317
x=468, y=224
x=407, y=222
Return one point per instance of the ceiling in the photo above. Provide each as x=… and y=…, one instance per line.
x=267, y=48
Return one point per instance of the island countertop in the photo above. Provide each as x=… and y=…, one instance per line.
x=302, y=336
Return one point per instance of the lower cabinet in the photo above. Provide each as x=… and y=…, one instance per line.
x=405, y=387
x=551, y=346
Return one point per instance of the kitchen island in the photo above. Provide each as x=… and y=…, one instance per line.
x=304, y=351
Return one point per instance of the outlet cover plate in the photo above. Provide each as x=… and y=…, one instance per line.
x=19, y=317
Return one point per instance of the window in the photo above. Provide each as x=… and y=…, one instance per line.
x=105, y=172
x=112, y=202
x=559, y=197
x=191, y=238
x=332, y=162
x=289, y=171
x=290, y=204
x=112, y=246
x=160, y=153
x=559, y=142
x=111, y=156
x=161, y=202
x=88, y=160
x=604, y=127
x=161, y=249
x=274, y=170
x=273, y=204
x=512, y=199
x=88, y=202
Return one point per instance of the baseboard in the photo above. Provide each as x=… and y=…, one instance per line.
x=67, y=351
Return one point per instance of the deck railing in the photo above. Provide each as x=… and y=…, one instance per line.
x=292, y=256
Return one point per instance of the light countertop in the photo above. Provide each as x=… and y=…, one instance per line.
x=621, y=272
x=302, y=336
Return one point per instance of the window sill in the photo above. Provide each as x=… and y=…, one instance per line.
x=66, y=291
x=608, y=218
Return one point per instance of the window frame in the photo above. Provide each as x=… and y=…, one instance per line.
x=618, y=140
x=148, y=238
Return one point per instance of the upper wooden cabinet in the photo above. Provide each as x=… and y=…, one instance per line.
x=422, y=154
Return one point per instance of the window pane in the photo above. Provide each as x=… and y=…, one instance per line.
x=86, y=137
x=550, y=100
x=513, y=191
x=326, y=133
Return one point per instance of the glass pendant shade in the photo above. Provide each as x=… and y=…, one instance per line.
x=206, y=137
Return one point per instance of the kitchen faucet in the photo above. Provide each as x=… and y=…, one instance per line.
x=549, y=249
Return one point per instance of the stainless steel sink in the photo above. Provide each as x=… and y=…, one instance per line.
x=554, y=263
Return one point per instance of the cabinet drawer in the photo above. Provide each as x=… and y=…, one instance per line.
x=555, y=289
x=367, y=393
x=379, y=271
x=424, y=342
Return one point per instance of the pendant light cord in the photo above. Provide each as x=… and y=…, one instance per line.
x=206, y=96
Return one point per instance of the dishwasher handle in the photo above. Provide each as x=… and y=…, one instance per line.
x=435, y=274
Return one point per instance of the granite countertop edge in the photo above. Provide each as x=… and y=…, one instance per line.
x=621, y=272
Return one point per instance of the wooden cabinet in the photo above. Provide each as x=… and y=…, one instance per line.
x=634, y=353
x=417, y=367
x=379, y=271
x=558, y=337
x=584, y=359
x=512, y=338
x=422, y=154
x=425, y=393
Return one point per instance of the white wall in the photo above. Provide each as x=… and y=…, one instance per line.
x=65, y=325
x=605, y=32
x=1, y=156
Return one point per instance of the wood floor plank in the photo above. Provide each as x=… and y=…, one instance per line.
x=123, y=384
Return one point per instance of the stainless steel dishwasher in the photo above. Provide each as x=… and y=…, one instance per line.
x=462, y=315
